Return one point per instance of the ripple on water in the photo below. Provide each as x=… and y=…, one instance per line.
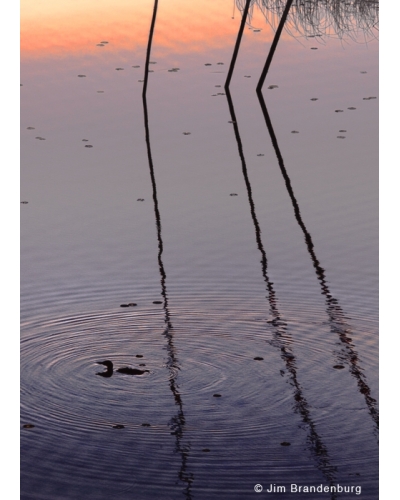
x=203, y=391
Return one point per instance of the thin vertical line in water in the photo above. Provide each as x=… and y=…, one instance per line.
x=177, y=422
x=148, y=51
x=337, y=318
x=274, y=45
x=282, y=339
x=237, y=44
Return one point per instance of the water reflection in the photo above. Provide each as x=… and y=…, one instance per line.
x=177, y=422
x=337, y=320
x=282, y=340
x=321, y=18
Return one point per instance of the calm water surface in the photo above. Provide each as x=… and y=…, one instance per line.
x=252, y=239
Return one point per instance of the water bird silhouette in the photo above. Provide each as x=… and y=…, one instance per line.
x=126, y=370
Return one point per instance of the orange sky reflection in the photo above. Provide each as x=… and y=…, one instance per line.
x=65, y=28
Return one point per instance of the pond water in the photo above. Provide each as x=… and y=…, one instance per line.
x=225, y=246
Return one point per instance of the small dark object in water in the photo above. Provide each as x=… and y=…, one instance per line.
x=146, y=425
x=30, y=128
x=260, y=154
x=104, y=41
x=40, y=138
x=142, y=364
x=82, y=76
x=314, y=99
x=218, y=86
x=24, y=202
x=88, y=146
x=256, y=31
x=208, y=64
x=363, y=72
x=132, y=304
x=338, y=110
x=220, y=63
x=28, y=426
x=100, y=91
x=206, y=450
x=271, y=87
x=141, y=81
x=287, y=355
x=233, y=194
x=124, y=305
x=338, y=367
x=341, y=137
x=257, y=358
x=285, y=443
x=126, y=370
x=118, y=426
x=351, y=108
x=314, y=48
x=247, y=76
x=139, y=355
x=231, y=121
x=186, y=133
x=341, y=131
x=216, y=395
x=157, y=302
x=100, y=45
x=21, y=85
x=135, y=66
x=85, y=140
x=119, y=69
x=295, y=132
x=152, y=62
x=140, y=199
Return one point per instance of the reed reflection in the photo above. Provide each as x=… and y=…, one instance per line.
x=281, y=339
x=347, y=353
x=178, y=421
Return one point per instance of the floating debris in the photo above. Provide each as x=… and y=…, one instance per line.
x=220, y=64
x=174, y=70
x=247, y=76
x=271, y=87
x=342, y=130
x=256, y=31
x=100, y=45
x=314, y=48
x=104, y=41
x=208, y=64
x=233, y=194
x=257, y=358
x=24, y=202
x=338, y=110
x=218, y=86
x=216, y=395
x=135, y=66
x=119, y=69
x=132, y=304
x=341, y=137
x=30, y=128
x=151, y=71
x=82, y=76
x=28, y=426
x=139, y=355
x=141, y=81
x=186, y=133
x=118, y=426
x=124, y=305
x=220, y=93
x=206, y=450
x=368, y=98
x=40, y=138
x=314, y=99
x=260, y=154
x=295, y=132
x=352, y=108
x=338, y=367
x=285, y=443
x=152, y=62
x=363, y=72
x=142, y=364
x=85, y=140
x=146, y=425
x=140, y=199
x=88, y=146
x=157, y=302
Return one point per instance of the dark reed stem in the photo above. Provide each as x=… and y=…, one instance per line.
x=274, y=45
x=237, y=44
x=337, y=318
x=148, y=52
